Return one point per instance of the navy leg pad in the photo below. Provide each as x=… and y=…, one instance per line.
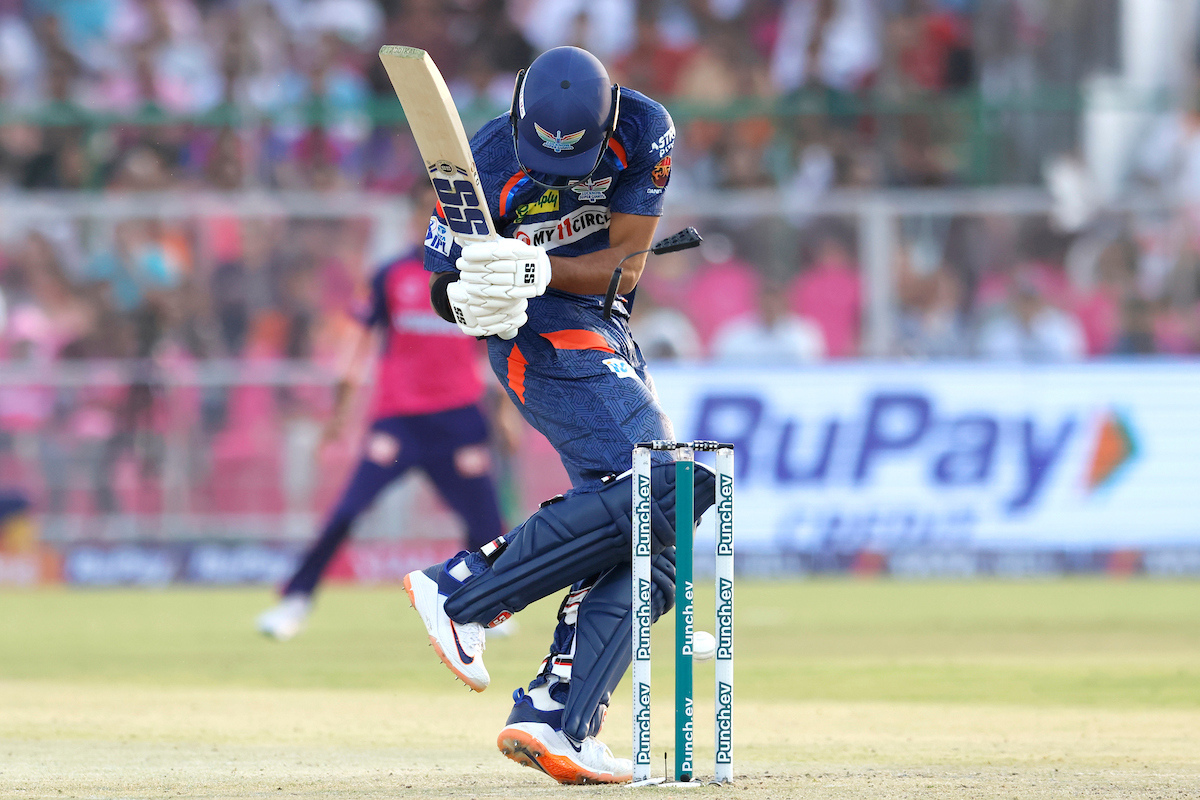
x=604, y=640
x=582, y=535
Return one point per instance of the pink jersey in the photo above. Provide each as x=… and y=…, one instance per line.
x=427, y=364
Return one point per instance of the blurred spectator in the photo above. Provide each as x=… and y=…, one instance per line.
x=724, y=69
x=1136, y=336
x=770, y=335
x=664, y=333
x=497, y=51
x=932, y=322
x=652, y=65
x=723, y=287
x=1169, y=158
x=1029, y=328
x=20, y=59
x=604, y=27
x=832, y=44
x=246, y=284
x=829, y=292
x=1099, y=308
x=136, y=267
x=927, y=47
x=50, y=311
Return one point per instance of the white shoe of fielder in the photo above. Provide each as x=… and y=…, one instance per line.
x=285, y=620
x=538, y=745
x=460, y=646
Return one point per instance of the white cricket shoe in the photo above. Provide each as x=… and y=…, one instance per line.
x=538, y=745
x=460, y=646
x=285, y=620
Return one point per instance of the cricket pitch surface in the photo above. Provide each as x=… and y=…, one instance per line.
x=845, y=689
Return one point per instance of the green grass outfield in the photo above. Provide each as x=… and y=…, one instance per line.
x=845, y=688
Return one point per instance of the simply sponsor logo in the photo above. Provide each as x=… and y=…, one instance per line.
x=579, y=224
x=548, y=203
x=724, y=619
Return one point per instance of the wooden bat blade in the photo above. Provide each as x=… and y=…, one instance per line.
x=440, y=137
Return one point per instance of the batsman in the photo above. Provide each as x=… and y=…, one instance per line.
x=574, y=177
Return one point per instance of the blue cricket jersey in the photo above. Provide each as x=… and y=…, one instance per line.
x=576, y=377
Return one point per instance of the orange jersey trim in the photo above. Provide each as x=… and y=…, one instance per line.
x=516, y=372
x=507, y=190
x=619, y=151
x=576, y=339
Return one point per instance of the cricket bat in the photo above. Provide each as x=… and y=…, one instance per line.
x=436, y=126
x=438, y=129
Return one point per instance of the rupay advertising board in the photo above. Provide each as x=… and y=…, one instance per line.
x=965, y=456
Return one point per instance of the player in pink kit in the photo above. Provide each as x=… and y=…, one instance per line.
x=425, y=413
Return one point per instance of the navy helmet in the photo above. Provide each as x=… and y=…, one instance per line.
x=564, y=110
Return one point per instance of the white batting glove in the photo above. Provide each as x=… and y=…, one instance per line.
x=507, y=267
x=475, y=317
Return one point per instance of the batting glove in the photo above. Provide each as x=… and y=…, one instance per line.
x=505, y=268
x=476, y=318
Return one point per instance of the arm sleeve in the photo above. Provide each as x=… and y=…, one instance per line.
x=644, y=181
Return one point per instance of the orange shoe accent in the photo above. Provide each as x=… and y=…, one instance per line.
x=516, y=372
x=527, y=751
x=437, y=648
x=576, y=339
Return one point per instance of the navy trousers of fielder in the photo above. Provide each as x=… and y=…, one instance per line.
x=441, y=444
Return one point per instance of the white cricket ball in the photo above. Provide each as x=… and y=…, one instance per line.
x=704, y=646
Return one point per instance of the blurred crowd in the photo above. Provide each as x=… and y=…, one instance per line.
x=290, y=94
x=175, y=96
x=999, y=287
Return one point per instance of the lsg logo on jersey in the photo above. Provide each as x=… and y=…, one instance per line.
x=591, y=190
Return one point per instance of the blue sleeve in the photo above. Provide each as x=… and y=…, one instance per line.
x=376, y=315
x=644, y=180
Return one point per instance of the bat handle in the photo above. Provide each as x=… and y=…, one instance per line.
x=506, y=335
